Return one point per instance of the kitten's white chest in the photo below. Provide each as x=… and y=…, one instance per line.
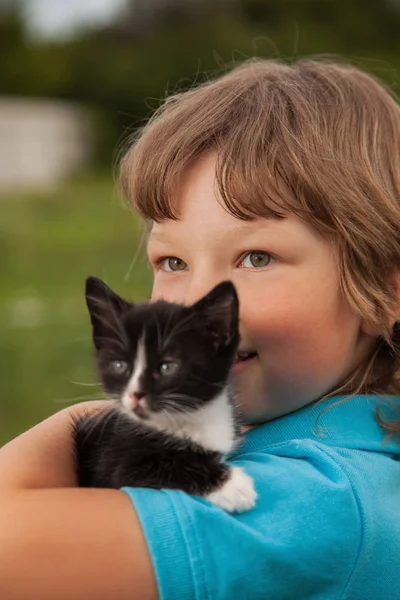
x=212, y=426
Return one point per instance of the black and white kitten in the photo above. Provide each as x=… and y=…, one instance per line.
x=173, y=420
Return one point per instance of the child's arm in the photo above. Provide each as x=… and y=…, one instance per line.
x=58, y=544
x=42, y=457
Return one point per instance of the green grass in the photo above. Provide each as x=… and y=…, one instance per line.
x=49, y=243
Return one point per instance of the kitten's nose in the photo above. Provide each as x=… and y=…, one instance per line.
x=136, y=397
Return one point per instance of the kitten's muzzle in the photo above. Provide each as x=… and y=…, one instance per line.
x=136, y=397
x=140, y=412
x=138, y=404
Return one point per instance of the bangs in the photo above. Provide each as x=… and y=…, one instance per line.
x=251, y=124
x=318, y=139
x=281, y=135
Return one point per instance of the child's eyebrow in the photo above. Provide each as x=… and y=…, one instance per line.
x=243, y=227
x=162, y=237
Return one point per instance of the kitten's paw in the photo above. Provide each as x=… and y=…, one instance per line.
x=237, y=494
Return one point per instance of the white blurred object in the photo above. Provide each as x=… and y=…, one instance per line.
x=63, y=18
x=27, y=312
x=41, y=142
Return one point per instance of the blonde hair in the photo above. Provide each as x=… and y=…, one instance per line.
x=331, y=133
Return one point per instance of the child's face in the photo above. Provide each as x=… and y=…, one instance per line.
x=292, y=311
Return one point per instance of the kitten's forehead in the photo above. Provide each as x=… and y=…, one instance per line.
x=167, y=325
x=158, y=323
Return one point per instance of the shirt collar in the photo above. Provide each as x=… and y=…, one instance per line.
x=348, y=423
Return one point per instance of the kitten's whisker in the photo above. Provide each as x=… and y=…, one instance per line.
x=167, y=401
x=119, y=331
x=203, y=380
x=171, y=402
x=112, y=342
x=93, y=423
x=178, y=396
x=78, y=340
x=123, y=336
x=78, y=399
x=84, y=384
x=171, y=415
x=110, y=339
x=159, y=336
x=84, y=399
x=167, y=325
x=178, y=328
x=108, y=417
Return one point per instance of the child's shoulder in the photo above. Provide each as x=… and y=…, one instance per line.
x=339, y=447
x=313, y=527
x=292, y=535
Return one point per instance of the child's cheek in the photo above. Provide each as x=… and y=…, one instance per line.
x=305, y=343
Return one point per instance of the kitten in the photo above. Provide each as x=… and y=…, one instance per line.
x=173, y=419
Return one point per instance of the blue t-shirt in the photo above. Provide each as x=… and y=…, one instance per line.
x=326, y=524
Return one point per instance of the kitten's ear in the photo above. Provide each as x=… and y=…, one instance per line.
x=105, y=309
x=219, y=311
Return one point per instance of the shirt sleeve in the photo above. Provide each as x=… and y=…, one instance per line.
x=301, y=540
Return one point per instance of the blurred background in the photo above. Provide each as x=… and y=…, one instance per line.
x=76, y=78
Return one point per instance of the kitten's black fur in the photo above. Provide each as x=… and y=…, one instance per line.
x=116, y=448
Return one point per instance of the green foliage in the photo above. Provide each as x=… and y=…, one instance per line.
x=123, y=70
x=49, y=244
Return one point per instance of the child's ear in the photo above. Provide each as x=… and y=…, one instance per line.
x=394, y=281
x=369, y=328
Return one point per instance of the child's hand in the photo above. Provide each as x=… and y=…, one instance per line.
x=65, y=543
x=43, y=456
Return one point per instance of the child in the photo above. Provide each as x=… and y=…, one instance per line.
x=285, y=180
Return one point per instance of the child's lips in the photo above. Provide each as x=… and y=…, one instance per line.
x=244, y=355
x=243, y=360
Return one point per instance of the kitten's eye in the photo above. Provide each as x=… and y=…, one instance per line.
x=119, y=367
x=256, y=259
x=169, y=367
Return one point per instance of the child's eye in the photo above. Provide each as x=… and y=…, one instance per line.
x=256, y=259
x=171, y=263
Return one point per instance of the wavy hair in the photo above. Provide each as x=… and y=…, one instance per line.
x=331, y=133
